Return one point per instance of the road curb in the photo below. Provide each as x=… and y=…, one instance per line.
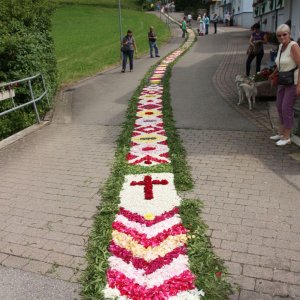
x=23, y=133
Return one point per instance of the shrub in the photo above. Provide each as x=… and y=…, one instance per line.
x=26, y=48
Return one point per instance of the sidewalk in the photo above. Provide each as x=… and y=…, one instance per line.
x=49, y=182
x=250, y=188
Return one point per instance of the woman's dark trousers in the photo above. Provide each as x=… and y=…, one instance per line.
x=128, y=54
x=259, y=58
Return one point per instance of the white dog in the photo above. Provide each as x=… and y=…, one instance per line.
x=250, y=91
x=246, y=88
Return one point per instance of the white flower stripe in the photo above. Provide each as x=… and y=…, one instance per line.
x=142, y=103
x=153, y=121
x=149, y=160
x=153, y=88
x=153, y=230
x=149, y=138
x=175, y=268
x=110, y=293
x=188, y=295
x=152, y=97
x=156, y=149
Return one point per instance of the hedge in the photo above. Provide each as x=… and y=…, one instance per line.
x=26, y=48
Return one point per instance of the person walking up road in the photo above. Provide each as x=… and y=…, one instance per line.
x=152, y=42
x=128, y=48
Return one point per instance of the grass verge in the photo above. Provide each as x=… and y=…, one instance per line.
x=87, y=37
x=126, y=4
x=205, y=265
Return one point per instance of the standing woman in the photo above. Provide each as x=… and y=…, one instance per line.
x=199, y=20
x=128, y=47
x=288, y=59
x=257, y=41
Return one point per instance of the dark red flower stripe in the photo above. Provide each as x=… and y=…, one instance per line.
x=155, y=241
x=139, y=263
x=129, y=288
x=140, y=219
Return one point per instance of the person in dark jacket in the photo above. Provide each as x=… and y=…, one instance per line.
x=128, y=48
x=152, y=42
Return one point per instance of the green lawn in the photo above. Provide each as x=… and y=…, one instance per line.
x=87, y=37
x=128, y=4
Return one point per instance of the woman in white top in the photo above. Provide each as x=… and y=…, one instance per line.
x=288, y=58
x=199, y=20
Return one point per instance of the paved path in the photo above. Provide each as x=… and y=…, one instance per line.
x=49, y=182
x=250, y=187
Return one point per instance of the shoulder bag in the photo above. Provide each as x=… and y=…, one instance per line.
x=287, y=77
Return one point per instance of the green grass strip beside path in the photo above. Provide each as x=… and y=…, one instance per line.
x=204, y=263
x=87, y=37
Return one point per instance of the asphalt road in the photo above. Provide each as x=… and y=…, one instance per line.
x=196, y=103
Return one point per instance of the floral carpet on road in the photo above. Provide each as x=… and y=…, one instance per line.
x=148, y=249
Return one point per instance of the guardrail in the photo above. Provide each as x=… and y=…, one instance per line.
x=33, y=100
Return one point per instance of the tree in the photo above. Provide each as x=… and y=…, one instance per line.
x=183, y=4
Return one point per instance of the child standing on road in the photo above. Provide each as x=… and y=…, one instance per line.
x=183, y=27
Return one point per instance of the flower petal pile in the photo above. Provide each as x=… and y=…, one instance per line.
x=149, y=258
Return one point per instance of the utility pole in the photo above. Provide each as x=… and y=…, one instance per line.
x=120, y=21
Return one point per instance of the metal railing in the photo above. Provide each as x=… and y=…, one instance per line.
x=33, y=99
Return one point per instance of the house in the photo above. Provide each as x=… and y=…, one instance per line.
x=272, y=13
x=240, y=10
x=215, y=8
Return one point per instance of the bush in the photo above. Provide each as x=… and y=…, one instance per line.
x=26, y=48
x=272, y=38
x=182, y=5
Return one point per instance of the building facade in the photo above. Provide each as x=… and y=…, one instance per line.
x=240, y=10
x=215, y=8
x=242, y=13
x=272, y=13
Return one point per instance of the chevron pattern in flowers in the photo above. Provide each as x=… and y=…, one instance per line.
x=149, y=259
x=149, y=256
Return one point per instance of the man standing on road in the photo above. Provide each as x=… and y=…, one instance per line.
x=215, y=20
x=152, y=42
x=206, y=21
